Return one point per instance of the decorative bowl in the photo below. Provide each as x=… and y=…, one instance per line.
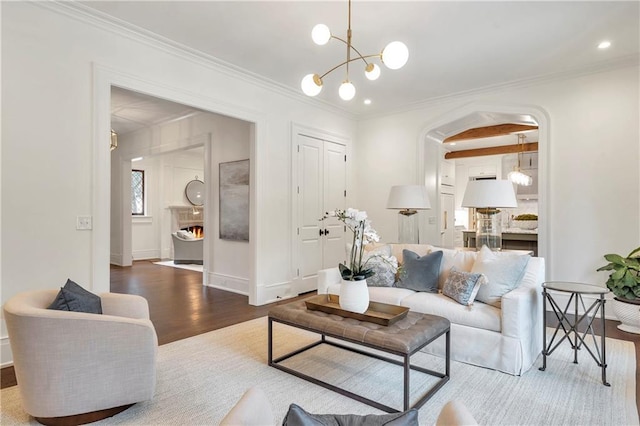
x=525, y=224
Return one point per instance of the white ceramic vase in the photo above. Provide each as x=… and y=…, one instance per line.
x=354, y=296
x=628, y=314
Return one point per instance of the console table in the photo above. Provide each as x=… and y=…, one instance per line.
x=576, y=291
x=404, y=338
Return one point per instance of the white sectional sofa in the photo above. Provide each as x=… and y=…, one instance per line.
x=506, y=338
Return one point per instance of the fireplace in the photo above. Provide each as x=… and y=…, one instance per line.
x=196, y=230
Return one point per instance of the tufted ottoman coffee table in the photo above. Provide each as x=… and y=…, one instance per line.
x=404, y=338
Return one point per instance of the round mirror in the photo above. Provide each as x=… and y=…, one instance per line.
x=195, y=192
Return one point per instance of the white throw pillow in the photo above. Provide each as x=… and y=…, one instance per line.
x=503, y=271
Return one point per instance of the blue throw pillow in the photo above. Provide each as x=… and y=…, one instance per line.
x=297, y=416
x=73, y=297
x=420, y=273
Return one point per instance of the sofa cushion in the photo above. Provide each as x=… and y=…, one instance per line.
x=73, y=297
x=478, y=315
x=420, y=273
x=297, y=416
x=462, y=260
x=503, y=271
x=463, y=286
x=389, y=295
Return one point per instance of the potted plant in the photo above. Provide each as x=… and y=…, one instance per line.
x=624, y=282
x=526, y=221
x=354, y=294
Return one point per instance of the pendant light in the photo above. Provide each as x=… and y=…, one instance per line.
x=394, y=56
x=516, y=176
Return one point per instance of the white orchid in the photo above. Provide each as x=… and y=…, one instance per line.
x=363, y=234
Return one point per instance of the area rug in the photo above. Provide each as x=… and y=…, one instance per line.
x=191, y=267
x=201, y=378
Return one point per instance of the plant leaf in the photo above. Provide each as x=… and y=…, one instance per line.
x=615, y=258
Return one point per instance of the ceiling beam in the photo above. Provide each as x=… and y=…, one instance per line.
x=489, y=131
x=494, y=150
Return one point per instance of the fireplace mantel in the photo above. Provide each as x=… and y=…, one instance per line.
x=182, y=217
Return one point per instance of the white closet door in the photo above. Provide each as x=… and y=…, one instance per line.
x=335, y=175
x=321, y=188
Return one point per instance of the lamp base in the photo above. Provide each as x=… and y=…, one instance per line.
x=489, y=229
x=408, y=227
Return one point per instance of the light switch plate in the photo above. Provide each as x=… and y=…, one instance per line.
x=432, y=220
x=84, y=222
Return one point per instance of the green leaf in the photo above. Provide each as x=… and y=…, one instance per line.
x=635, y=253
x=608, y=267
x=619, y=273
x=615, y=258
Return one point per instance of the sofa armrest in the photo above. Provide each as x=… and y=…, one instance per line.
x=327, y=277
x=522, y=315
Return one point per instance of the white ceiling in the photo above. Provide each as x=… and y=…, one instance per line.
x=454, y=46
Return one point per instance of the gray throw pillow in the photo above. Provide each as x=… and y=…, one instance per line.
x=73, y=297
x=463, y=286
x=420, y=273
x=383, y=265
x=297, y=416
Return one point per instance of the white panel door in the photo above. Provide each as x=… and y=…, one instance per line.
x=321, y=187
x=335, y=175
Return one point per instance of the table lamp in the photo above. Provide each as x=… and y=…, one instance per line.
x=408, y=199
x=487, y=196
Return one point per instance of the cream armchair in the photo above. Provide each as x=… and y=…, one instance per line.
x=187, y=251
x=70, y=363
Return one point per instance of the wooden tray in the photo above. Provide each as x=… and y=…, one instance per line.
x=378, y=313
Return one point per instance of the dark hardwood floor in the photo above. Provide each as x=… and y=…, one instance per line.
x=181, y=307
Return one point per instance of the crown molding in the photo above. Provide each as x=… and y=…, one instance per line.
x=604, y=66
x=123, y=28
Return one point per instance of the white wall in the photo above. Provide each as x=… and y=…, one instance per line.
x=56, y=76
x=592, y=175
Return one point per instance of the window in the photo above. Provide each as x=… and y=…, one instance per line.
x=137, y=192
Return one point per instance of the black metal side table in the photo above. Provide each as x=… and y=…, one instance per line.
x=577, y=290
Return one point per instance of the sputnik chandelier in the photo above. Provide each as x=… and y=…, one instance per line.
x=393, y=56
x=516, y=176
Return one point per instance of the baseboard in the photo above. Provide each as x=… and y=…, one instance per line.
x=116, y=259
x=146, y=254
x=228, y=282
x=6, y=357
x=275, y=292
x=562, y=299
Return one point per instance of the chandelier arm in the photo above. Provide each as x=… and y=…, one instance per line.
x=360, y=55
x=344, y=63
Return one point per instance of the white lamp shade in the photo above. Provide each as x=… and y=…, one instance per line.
x=309, y=85
x=347, y=91
x=489, y=193
x=395, y=55
x=408, y=197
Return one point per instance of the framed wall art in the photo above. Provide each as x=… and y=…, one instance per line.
x=234, y=200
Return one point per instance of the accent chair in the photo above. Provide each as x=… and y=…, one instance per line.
x=75, y=364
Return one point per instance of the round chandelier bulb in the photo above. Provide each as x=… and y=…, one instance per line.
x=372, y=72
x=311, y=84
x=347, y=91
x=321, y=34
x=395, y=55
